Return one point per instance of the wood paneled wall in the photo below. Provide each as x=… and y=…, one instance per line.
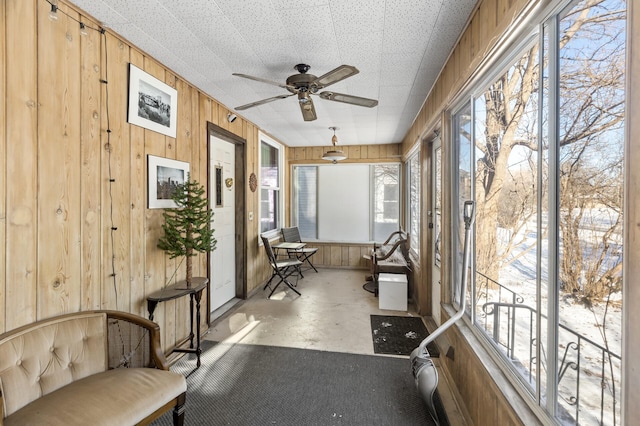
x=67, y=182
x=336, y=255
x=354, y=153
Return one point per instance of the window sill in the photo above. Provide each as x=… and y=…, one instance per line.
x=522, y=405
x=271, y=235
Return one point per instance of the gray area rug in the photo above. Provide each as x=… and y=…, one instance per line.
x=266, y=385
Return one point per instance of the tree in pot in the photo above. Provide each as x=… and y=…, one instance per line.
x=187, y=229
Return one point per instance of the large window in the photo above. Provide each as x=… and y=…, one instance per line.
x=386, y=200
x=413, y=196
x=539, y=148
x=270, y=183
x=305, y=200
x=346, y=202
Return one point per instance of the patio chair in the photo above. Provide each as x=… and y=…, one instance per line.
x=282, y=269
x=292, y=235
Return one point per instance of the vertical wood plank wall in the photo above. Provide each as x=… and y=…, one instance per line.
x=3, y=161
x=57, y=204
x=20, y=163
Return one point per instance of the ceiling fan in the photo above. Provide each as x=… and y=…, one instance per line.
x=304, y=85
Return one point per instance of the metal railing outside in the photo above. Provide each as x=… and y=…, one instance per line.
x=507, y=321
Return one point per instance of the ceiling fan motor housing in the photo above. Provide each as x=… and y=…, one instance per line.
x=302, y=83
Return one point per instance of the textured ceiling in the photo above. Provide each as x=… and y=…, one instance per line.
x=399, y=46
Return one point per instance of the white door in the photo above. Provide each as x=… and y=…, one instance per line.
x=222, y=189
x=435, y=225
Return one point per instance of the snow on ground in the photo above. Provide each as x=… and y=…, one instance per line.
x=587, y=390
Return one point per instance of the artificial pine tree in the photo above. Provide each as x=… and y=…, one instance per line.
x=187, y=229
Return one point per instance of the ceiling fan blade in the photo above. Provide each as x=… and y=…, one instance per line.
x=262, y=80
x=336, y=75
x=348, y=99
x=306, y=106
x=264, y=101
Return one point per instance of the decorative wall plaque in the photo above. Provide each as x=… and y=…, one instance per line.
x=253, y=182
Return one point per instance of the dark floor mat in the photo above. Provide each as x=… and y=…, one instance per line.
x=399, y=335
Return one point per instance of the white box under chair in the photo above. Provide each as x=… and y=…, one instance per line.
x=392, y=292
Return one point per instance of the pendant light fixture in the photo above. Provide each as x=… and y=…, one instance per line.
x=334, y=155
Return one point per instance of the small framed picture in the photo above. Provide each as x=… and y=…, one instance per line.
x=152, y=103
x=165, y=176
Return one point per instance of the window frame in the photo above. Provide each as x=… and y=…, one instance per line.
x=372, y=209
x=414, y=240
x=265, y=139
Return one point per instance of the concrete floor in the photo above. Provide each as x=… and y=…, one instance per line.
x=332, y=314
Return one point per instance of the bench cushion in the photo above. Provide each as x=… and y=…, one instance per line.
x=123, y=396
x=40, y=358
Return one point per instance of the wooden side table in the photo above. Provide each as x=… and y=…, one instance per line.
x=175, y=291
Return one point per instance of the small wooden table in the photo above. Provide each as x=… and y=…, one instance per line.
x=175, y=291
x=288, y=246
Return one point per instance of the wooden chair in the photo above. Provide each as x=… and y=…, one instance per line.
x=282, y=269
x=292, y=235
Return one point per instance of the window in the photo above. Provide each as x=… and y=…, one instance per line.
x=413, y=196
x=386, y=200
x=270, y=182
x=462, y=134
x=539, y=148
x=366, y=209
x=437, y=204
x=305, y=200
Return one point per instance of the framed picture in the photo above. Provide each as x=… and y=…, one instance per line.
x=152, y=103
x=165, y=175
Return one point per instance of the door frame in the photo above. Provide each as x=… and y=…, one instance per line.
x=427, y=235
x=240, y=207
x=433, y=142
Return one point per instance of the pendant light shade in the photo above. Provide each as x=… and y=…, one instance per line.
x=334, y=155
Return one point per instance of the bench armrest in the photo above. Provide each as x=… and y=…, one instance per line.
x=396, y=235
x=390, y=252
x=134, y=341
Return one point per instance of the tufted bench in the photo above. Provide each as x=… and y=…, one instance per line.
x=87, y=368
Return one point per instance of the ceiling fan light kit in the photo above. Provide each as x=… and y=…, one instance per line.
x=304, y=85
x=335, y=154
